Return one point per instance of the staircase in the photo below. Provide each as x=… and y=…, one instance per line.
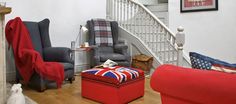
x=165, y=46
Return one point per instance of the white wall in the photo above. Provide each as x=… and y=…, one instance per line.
x=65, y=16
x=209, y=32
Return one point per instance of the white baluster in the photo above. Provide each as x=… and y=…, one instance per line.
x=180, y=40
x=120, y=12
x=123, y=13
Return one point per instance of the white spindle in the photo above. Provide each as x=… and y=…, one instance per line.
x=128, y=13
x=124, y=14
x=132, y=18
x=120, y=12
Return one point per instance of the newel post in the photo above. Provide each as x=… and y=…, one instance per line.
x=3, y=11
x=180, y=40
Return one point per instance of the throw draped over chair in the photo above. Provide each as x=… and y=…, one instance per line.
x=117, y=52
x=39, y=34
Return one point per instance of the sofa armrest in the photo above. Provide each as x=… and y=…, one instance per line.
x=57, y=54
x=200, y=86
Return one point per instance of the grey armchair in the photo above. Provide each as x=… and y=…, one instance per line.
x=118, y=52
x=39, y=33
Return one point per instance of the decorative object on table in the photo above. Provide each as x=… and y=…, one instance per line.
x=199, y=61
x=118, y=52
x=198, y=5
x=16, y=96
x=86, y=44
x=118, y=85
x=142, y=61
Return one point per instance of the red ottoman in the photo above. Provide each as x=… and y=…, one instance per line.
x=116, y=85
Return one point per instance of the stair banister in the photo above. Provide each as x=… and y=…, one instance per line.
x=142, y=23
x=153, y=16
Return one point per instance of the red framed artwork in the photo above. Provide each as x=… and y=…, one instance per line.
x=198, y=5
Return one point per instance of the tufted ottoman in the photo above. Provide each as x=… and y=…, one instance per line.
x=117, y=85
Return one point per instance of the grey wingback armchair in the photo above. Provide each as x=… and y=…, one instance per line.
x=118, y=52
x=39, y=33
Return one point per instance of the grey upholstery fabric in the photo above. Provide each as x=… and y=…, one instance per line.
x=35, y=37
x=58, y=54
x=40, y=38
x=67, y=65
x=105, y=49
x=112, y=56
x=118, y=52
x=44, y=31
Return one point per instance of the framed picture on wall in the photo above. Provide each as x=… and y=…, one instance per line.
x=198, y=5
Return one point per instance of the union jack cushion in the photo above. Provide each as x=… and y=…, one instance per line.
x=199, y=61
x=115, y=75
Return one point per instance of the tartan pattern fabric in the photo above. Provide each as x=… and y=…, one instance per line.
x=103, y=34
x=121, y=74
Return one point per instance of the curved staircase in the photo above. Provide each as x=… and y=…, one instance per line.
x=133, y=17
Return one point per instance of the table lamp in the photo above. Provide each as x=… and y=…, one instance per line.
x=79, y=39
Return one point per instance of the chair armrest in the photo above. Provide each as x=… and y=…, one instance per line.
x=57, y=54
x=94, y=47
x=200, y=86
x=120, y=47
x=121, y=41
x=95, y=53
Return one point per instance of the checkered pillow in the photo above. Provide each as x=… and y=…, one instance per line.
x=199, y=61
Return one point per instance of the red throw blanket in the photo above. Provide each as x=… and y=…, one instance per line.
x=26, y=58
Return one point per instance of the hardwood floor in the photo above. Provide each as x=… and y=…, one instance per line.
x=71, y=94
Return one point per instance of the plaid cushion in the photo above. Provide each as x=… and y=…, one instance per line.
x=199, y=61
x=103, y=34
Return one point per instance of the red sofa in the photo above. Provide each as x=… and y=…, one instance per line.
x=178, y=85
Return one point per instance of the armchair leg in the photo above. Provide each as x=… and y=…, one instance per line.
x=71, y=79
x=41, y=90
x=17, y=80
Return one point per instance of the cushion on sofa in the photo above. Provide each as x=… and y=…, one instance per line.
x=200, y=61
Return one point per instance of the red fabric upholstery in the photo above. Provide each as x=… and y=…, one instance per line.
x=179, y=85
x=26, y=58
x=110, y=94
x=99, y=89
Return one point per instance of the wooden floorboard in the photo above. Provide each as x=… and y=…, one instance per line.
x=71, y=94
